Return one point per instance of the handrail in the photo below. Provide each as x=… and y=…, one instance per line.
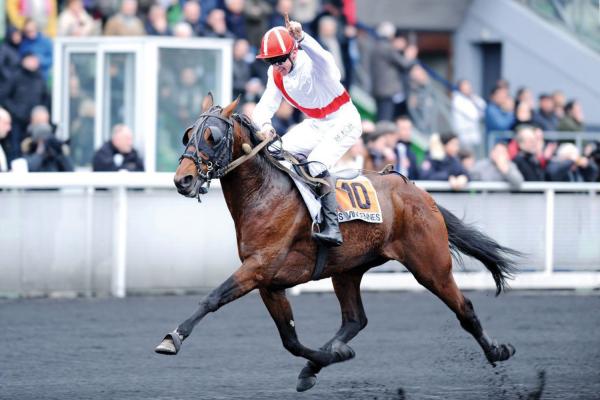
x=164, y=180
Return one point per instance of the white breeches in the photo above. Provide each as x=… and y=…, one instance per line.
x=324, y=141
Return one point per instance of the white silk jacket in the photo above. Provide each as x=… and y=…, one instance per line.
x=313, y=83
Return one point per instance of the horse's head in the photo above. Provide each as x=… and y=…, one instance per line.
x=208, y=148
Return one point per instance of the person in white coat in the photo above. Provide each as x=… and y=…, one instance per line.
x=468, y=110
x=306, y=76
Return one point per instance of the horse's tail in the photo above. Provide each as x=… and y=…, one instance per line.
x=499, y=260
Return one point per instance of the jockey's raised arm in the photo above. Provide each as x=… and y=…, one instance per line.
x=321, y=58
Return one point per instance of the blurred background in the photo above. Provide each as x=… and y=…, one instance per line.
x=493, y=106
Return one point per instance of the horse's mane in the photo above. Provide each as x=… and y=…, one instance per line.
x=264, y=157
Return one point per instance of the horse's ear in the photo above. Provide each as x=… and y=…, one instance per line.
x=208, y=102
x=227, y=111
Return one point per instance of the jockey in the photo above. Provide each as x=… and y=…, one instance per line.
x=305, y=75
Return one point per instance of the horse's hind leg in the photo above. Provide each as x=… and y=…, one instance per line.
x=281, y=312
x=347, y=290
x=437, y=277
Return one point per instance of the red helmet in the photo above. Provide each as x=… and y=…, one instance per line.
x=276, y=42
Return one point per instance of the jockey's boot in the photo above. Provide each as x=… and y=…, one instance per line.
x=330, y=235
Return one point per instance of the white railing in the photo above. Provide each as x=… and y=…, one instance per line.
x=119, y=183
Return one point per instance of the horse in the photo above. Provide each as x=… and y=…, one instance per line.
x=273, y=230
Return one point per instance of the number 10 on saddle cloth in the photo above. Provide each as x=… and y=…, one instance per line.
x=357, y=199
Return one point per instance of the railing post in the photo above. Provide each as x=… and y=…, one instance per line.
x=119, y=242
x=549, y=246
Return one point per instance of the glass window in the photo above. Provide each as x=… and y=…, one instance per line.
x=118, y=93
x=82, y=107
x=185, y=76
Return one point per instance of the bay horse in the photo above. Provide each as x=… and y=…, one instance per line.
x=273, y=229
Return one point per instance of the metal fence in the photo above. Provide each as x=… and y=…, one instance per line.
x=100, y=233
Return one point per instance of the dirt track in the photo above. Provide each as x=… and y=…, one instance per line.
x=413, y=348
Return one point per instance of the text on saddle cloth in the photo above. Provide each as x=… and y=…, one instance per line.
x=357, y=199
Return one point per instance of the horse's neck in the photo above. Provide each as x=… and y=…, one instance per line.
x=251, y=183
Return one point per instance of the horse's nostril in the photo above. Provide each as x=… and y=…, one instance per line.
x=184, y=182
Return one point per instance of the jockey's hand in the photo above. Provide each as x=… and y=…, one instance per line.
x=294, y=27
x=267, y=131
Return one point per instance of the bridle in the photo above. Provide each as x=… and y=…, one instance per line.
x=218, y=156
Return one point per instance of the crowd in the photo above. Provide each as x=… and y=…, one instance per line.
x=383, y=61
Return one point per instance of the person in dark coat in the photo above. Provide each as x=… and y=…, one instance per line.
x=35, y=42
x=118, y=153
x=44, y=152
x=9, y=60
x=25, y=90
x=545, y=117
x=526, y=159
x=391, y=61
x=447, y=167
x=569, y=166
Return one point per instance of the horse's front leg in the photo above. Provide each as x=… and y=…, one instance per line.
x=241, y=282
x=354, y=319
x=281, y=312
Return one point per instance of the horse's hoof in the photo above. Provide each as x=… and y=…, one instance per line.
x=170, y=345
x=305, y=383
x=342, y=351
x=500, y=353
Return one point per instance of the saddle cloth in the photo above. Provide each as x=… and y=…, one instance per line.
x=356, y=198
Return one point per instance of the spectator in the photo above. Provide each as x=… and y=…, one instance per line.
x=26, y=90
x=242, y=70
x=467, y=113
x=523, y=115
x=35, y=42
x=75, y=21
x=253, y=90
x=570, y=166
x=9, y=59
x=44, y=152
x=573, y=119
x=559, y=103
x=282, y=7
x=524, y=95
x=327, y=36
x=406, y=160
x=544, y=117
x=216, y=26
x=283, y=119
x=248, y=108
x=467, y=159
x=156, y=23
x=235, y=19
x=526, y=160
x=379, y=149
x=421, y=102
x=125, y=22
x=5, y=127
x=118, y=153
x=192, y=13
x=444, y=165
x=257, y=14
x=499, y=111
x=42, y=12
x=183, y=30
x=498, y=167
x=389, y=65
x=39, y=116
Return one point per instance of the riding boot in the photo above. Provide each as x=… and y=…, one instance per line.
x=330, y=235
